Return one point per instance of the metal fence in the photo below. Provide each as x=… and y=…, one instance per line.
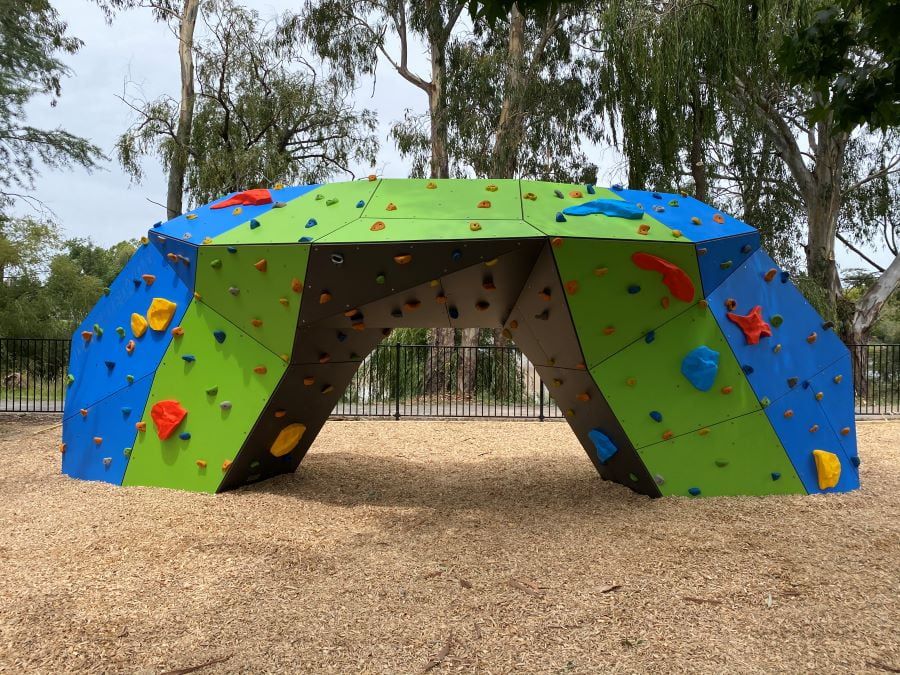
x=417, y=381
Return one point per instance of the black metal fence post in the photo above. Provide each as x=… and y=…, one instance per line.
x=397, y=393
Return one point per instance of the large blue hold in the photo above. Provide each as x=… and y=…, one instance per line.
x=614, y=208
x=604, y=446
x=700, y=367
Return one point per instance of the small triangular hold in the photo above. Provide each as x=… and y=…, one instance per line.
x=212, y=391
x=254, y=223
x=261, y=265
x=215, y=264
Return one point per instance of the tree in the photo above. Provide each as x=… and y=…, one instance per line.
x=32, y=41
x=705, y=68
x=263, y=113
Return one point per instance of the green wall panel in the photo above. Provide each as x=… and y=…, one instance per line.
x=331, y=206
x=646, y=377
x=265, y=296
x=428, y=229
x=216, y=433
x=739, y=456
x=451, y=199
x=602, y=301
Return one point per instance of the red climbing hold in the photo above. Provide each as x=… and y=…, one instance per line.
x=246, y=198
x=675, y=278
x=167, y=415
x=752, y=325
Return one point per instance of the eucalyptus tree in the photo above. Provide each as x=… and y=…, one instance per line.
x=682, y=77
x=264, y=112
x=33, y=42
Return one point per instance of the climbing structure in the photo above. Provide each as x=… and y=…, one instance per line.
x=684, y=359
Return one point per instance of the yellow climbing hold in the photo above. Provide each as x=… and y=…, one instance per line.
x=160, y=313
x=431, y=186
x=138, y=325
x=287, y=439
x=828, y=466
x=474, y=226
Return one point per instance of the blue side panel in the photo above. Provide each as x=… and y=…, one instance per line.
x=678, y=217
x=112, y=420
x=719, y=258
x=769, y=368
x=835, y=383
x=807, y=429
x=179, y=254
x=213, y=222
x=101, y=365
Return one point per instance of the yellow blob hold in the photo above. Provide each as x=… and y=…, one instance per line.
x=160, y=313
x=138, y=325
x=828, y=466
x=191, y=216
x=491, y=262
x=238, y=211
x=287, y=439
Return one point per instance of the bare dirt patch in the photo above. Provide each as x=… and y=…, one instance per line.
x=475, y=547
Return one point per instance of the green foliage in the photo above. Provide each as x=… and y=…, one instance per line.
x=263, y=113
x=849, y=54
x=32, y=39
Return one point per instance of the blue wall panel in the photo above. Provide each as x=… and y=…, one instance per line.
x=101, y=366
x=111, y=420
x=719, y=258
x=771, y=367
x=837, y=401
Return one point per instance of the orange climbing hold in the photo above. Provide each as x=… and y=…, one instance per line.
x=571, y=287
x=226, y=465
x=727, y=389
x=675, y=279
x=664, y=302
x=403, y=259
x=309, y=380
x=811, y=338
x=83, y=412
x=283, y=301
x=752, y=325
x=129, y=346
x=576, y=194
x=391, y=207
x=256, y=323
x=718, y=218
x=324, y=297
x=87, y=335
x=148, y=278
x=280, y=413
x=474, y=226
x=372, y=177
x=667, y=435
x=484, y=204
x=166, y=416
x=296, y=285
x=412, y=305
x=609, y=330
x=583, y=397
x=260, y=370
x=556, y=242
x=377, y=226
x=178, y=331
x=256, y=197
x=140, y=426
x=643, y=229
x=201, y=463
x=97, y=440
x=768, y=276
x=261, y=265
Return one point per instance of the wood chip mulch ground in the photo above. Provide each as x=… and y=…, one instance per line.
x=412, y=547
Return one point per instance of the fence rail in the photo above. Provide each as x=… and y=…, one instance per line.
x=417, y=381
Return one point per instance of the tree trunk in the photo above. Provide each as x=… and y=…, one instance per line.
x=868, y=307
x=437, y=379
x=465, y=370
x=505, y=159
x=697, y=157
x=178, y=167
x=437, y=109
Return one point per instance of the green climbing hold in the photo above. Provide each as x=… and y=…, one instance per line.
x=331, y=202
x=215, y=264
x=120, y=331
x=379, y=279
x=212, y=391
x=721, y=462
x=776, y=320
x=70, y=379
x=765, y=402
x=98, y=330
x=130, y=378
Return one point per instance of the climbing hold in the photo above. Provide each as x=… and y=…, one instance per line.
x=730, y=304
x=725, y=265
x=184, y=435
x=160, y=313
x=254, y=223
x=590, y=189
x=287, y=439
x=768, y=276
x=676, y=233
x=488, y=284
x=558, y=194
x=231, y=249
x=140, y=426
x=379, y=279
x=219, y=335
x=855, y=461
x=107, y=461
x=70, y=379
x=109, y=364
x=530, y=196
x=828, y=325
x=650, y=336
x=190, y=358
x=694, y=491
x=212, y=391
x=777, y=348
x=792, y=382
x=148, y=278
x=814, y=428
x=609, y=330
x=225, y=405
x=777, y=320
x=656, y=416
x=603, y=445
x=576, y=194
x=431, y=186
x=601, y=271
x=631, y=381
x=453, y=312
x=560, y=218
x=138, y=325
x=667, y=434
x=403, y=259
x=721, y=463
x=412, y=305
x=820, y=395
x=811, y=337
x=283, y=301
x=474, y=226
x=359, y=204
x=643, y=229
x=129, y=378
x=260, y=370
x=83, y=412
x=327, y=389
x=215, y=264
x=700, y=366
x=828, y=468
x=765, y=402
x=481, y=305
x=612, y=208
x=491, y=188
x=166, y=416
x=98, y=330
x=391, y=207
x=544, y=295
x=308, y=380
x=746, y=248
x=201, y=463
x=633, y=289
x=129, y=347
x=583, y=397
x=324, y=297
x=556, y=242
x=178, y=331
x=261, y=265
x=377, y=226
x=673, y=277
x=87, y=335
x=571, y=287
x=837, y=379
x=752, y=325
x=97, y=440
x=325, y=357
x=718, y=218
x=788, y=413
x=255, y=197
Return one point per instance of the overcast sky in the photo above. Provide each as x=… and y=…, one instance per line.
x=105, y=205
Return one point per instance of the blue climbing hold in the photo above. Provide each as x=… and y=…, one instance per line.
x=254, y=223
x=618, y=187
x=184, y=435
x=560, y=218
x=110, y=364
x=649, y=337
x=775, y=475
x=219, y=335
x=604, y=446
x=341, y=336
x=656, y=195
x=590, y=189
x=190, y=358
x=855, y=461
x=453, y=312
x=748, y=369
x=311, y=222
x=304, y=240
x=656, y=415
x=360, y=204
x=634, y=288
x=232, y=249
x=785, y=276
x=456, y=256
x=614, y=208
x=126, y=412
x=700, y=367
x=694, y=491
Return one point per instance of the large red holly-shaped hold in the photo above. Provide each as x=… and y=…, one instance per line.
x=752, y=325
x=166, y=416
x=256, y=197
